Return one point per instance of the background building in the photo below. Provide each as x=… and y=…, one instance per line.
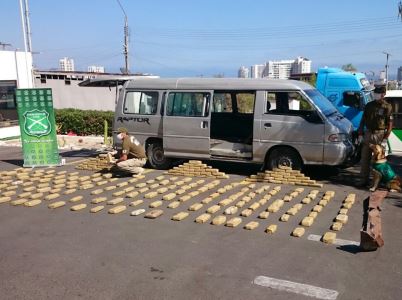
x=257, y=71
x=66, y=64
x=67, y=93
x=96, y=69
x=15, y=72
x=280, y=69
x=399, y=74
x=243, y=72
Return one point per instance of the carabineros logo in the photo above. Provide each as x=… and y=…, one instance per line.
x=37, y=123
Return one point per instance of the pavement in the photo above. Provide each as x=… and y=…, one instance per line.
x=60, y=254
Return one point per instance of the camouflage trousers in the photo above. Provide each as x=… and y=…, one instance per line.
x=370, y=137
x=132, y=165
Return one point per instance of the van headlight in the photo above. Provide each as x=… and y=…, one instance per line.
x=338, y=137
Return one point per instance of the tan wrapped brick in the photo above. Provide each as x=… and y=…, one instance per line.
x=203, y=218
x=173, y=204
x=307, y=221
x=117, y=209
x=347, y=205
x=136, y=202
x=213, y=209
x=56, y=204
x=263, y=215
x=240, y=204
x=18, y=202
x=219, y=220
x=251, y=225
x=5, y=199
x=206, y=200
x=313, y=214
x=156, y=204
x=246, y=213
x=52, y=196
x=317, y=208
x=115, y=201
x=132, y=194
x=150, y=195
x=153, y=214
x=137, y=212
x=336, y=226
x=98, y=200
x=298, y=232
x=32, y=203
x=180, y=216
x=195, y=207
x=119, y=193
x=342, y=219
x=78, y=207
x=284, y=218
x=233, y=222
x=329, y=237
x=231, y=210
x=271, y=228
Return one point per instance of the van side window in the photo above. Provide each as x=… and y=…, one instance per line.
x=141, y=103
x=222, y=103
x=291, y=103
x=187, y=104
x=245, y=102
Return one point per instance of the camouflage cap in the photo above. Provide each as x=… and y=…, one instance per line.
x=122, y=130
x=380, y=89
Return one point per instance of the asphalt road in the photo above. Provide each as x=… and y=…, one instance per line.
x=60, y=254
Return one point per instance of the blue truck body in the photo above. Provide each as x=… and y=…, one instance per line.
x=349, y=92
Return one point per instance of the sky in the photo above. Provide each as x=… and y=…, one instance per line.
x=173, y=38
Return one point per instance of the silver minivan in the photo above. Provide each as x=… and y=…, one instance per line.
x=269, y=122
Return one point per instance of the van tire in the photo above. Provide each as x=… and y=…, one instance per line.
x=283, y=156
x=157, y=158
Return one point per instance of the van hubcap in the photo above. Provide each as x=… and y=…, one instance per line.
x=285, y=162
x=158, y=155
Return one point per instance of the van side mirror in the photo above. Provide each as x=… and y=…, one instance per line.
x=352, y=99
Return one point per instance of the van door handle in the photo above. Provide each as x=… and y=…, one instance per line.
x=266, y=125
x=204, y=124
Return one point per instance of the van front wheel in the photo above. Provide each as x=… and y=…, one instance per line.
x=284, y=157
x=156, y=157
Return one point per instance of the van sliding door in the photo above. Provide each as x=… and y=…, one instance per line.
x=186, y=124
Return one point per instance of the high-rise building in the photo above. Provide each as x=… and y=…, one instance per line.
x=243, y=72
x=399, y=74
x=301, y=65
x=257, y=71
x=96, y=69
x=280, y=69
x=66, y=64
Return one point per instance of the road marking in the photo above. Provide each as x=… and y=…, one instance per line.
x=297, y=288
x=338, y=242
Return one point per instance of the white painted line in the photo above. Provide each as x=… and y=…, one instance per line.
x=338, y=242
x=297, y=288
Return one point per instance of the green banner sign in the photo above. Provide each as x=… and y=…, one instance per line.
x=38, y=130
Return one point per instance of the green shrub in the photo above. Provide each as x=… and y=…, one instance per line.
x=83, y=122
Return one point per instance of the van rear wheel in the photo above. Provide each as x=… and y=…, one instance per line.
x=156, y=157
x=284, y=157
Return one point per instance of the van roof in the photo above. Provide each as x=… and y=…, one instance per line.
x=216, y=84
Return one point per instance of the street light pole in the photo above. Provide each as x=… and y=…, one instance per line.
x=126, y=40
x=386, y=69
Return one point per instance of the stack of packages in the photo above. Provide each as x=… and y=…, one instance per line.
x=196, y=168
x=284, y=175
x=95, y=164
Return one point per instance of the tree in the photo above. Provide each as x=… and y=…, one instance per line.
x=349, y=68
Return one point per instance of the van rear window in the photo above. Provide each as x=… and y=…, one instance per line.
x=141, y=103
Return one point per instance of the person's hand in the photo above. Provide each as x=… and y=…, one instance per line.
x=111, y=159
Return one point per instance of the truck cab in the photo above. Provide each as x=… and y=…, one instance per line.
x=348, y=92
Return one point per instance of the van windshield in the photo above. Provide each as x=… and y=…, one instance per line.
x=325, y=106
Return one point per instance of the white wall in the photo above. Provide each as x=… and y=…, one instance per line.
x=16, y=65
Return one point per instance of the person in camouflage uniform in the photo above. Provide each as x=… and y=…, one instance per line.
x=377, y=120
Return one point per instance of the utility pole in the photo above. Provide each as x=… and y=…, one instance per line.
x=28, y=27
x=126, y=41
x=386, y=69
